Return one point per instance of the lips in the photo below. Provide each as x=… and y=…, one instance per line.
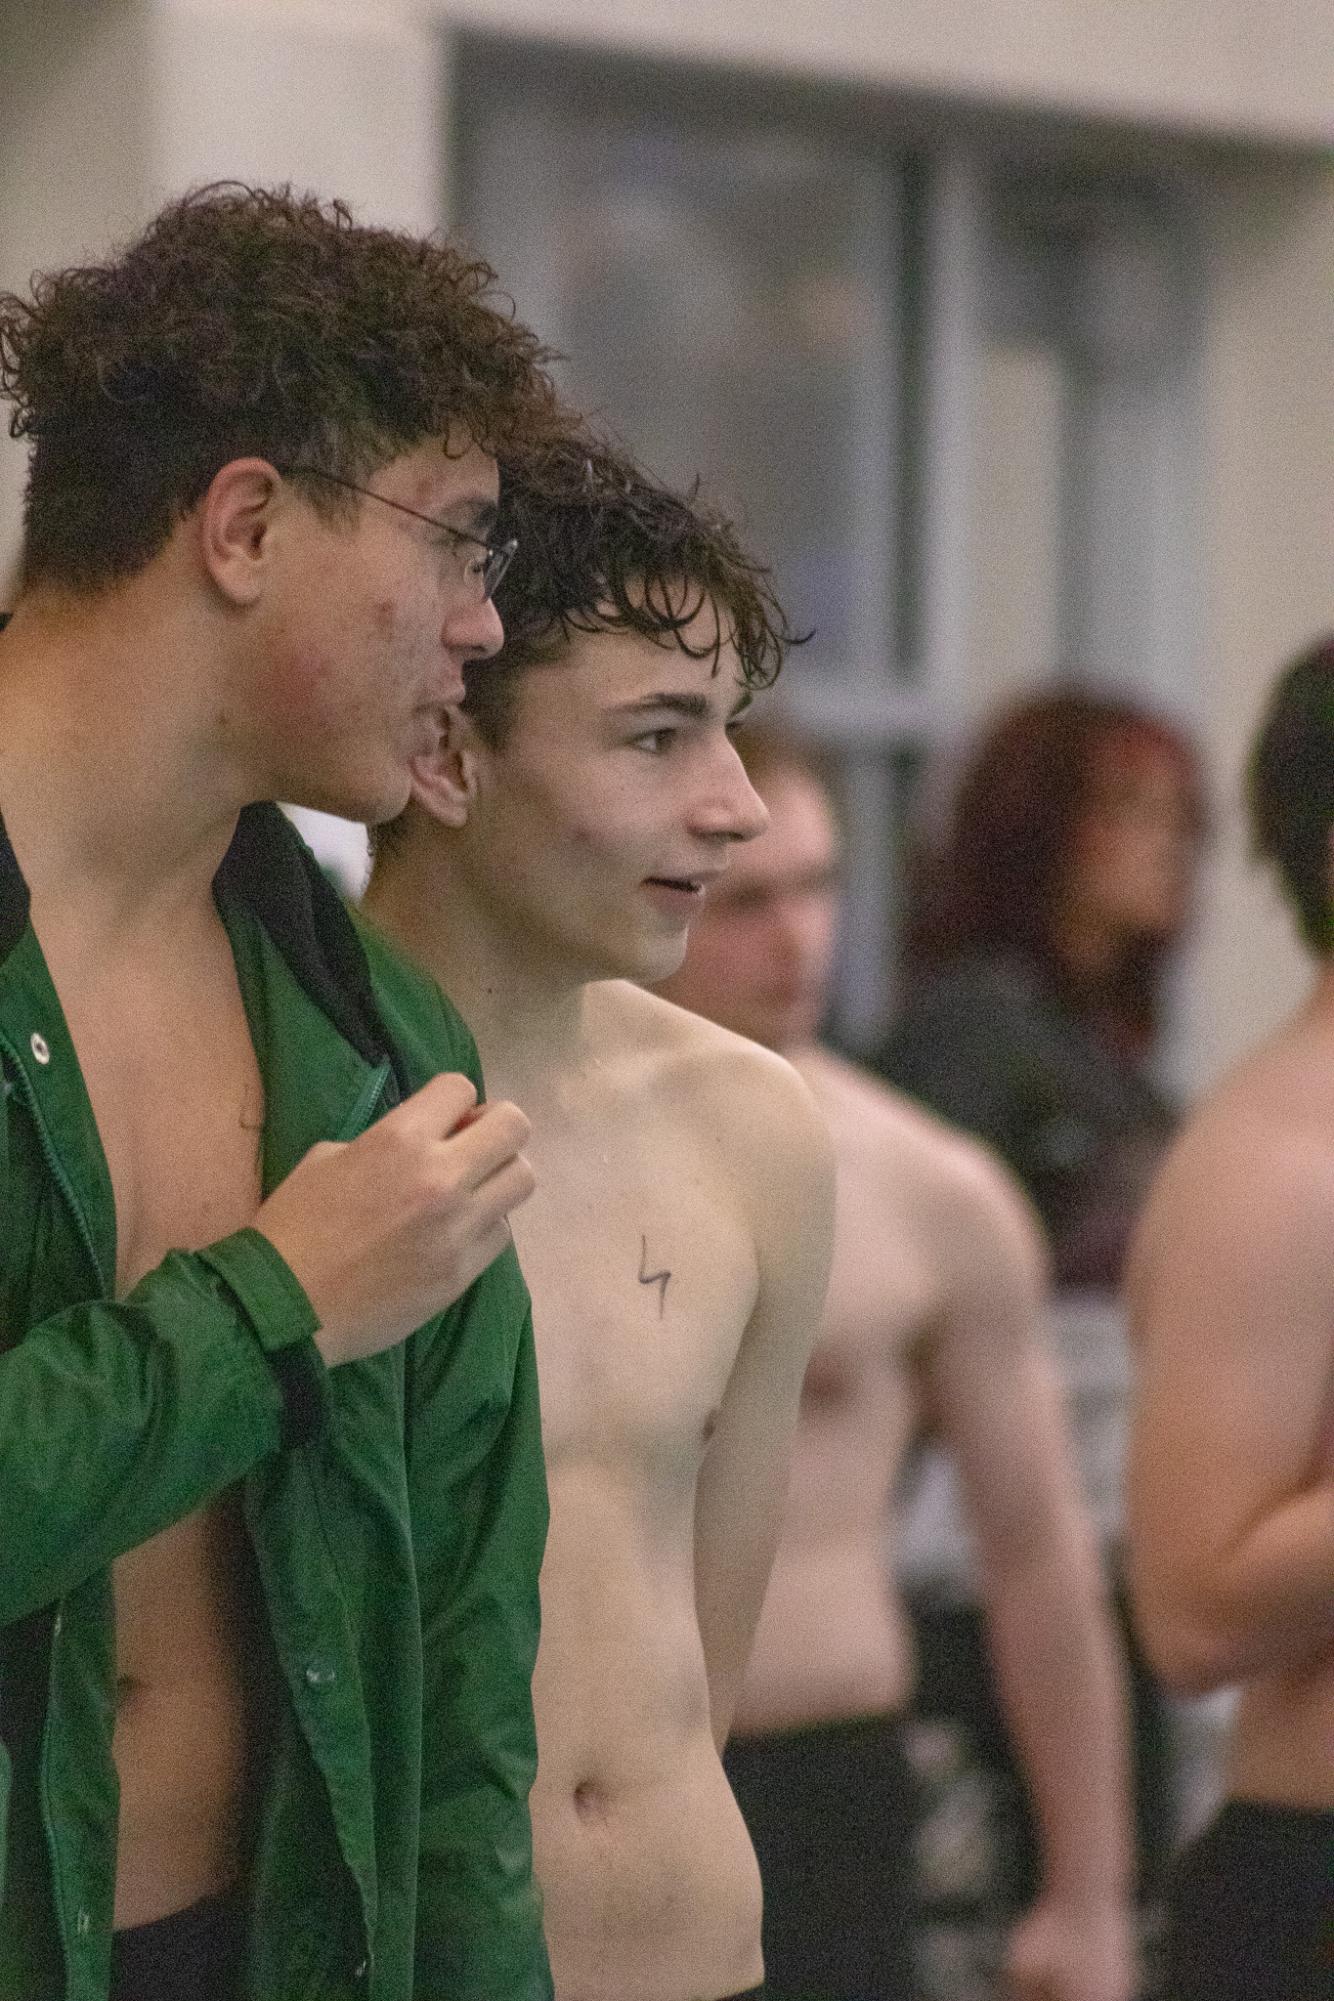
x=695, y=884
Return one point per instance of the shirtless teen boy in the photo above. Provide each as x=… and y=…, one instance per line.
x=556, y=850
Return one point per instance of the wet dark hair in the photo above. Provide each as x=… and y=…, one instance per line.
x=996, y=881
x=1290, y=787
x=247, y=321
x=604, y=547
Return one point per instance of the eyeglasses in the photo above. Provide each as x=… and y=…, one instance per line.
x=486, y=568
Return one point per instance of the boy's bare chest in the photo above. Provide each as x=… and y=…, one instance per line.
x=176, y=1093
x=641, y=1261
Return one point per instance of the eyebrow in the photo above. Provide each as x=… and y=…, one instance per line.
x=692, y=708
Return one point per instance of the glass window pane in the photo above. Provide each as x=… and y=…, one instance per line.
x=722, y=288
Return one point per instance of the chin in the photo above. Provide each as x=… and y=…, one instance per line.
x=657, y=962
x=369, y=795
x=635, y=955
x=371, y=805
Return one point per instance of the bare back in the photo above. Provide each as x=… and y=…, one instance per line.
x=1233, y=1461
x=167, y=1060
x=642, y=1256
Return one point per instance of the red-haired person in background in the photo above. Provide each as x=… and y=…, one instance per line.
x=1037, y=950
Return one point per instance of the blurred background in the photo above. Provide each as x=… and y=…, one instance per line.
x=1005, y=330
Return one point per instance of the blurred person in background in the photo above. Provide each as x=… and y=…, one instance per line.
x=933, y=1320
x=1036, y=957
x=1043, y=926
x=1232, y=1470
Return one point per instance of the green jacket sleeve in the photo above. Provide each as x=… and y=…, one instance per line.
x=117, y=1420
x=479, y=1502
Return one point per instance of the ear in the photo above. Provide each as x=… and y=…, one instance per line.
x=235, y=522
x=444, y=781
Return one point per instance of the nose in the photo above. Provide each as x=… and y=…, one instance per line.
x=731, y=808
x=473, y=629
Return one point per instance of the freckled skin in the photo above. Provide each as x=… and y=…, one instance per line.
x=369, y=643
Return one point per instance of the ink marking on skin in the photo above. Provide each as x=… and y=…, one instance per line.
x=659, y=1278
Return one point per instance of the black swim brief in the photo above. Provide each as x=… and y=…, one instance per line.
x=195, y=1953
x=1251, y=1908
x=830, y=1808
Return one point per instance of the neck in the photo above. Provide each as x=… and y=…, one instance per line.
x=115, y=786
x=527, y=1014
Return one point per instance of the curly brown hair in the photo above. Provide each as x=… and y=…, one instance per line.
x=605, y=547
x=248, y=321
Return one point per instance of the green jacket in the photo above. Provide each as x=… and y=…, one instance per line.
x=396, y=1507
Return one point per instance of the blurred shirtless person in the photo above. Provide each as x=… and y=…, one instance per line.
x=1232, y=1472
x=583, y=804
x=932, y=1319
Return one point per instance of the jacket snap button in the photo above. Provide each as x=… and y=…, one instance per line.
x=40, y=1048
x=320, y=1674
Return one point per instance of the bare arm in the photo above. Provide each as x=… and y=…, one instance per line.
x=995, y=1396
x=1232, y=1459
x=784, y=1162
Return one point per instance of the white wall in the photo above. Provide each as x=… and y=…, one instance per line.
x=346, y=98
x=1268, y=493
x=106, y=109
x=75, y=101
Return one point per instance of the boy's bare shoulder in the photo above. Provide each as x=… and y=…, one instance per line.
x=717, y=1082
x=684, y=1052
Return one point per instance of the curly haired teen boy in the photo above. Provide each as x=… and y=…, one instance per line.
x=272, y=1493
